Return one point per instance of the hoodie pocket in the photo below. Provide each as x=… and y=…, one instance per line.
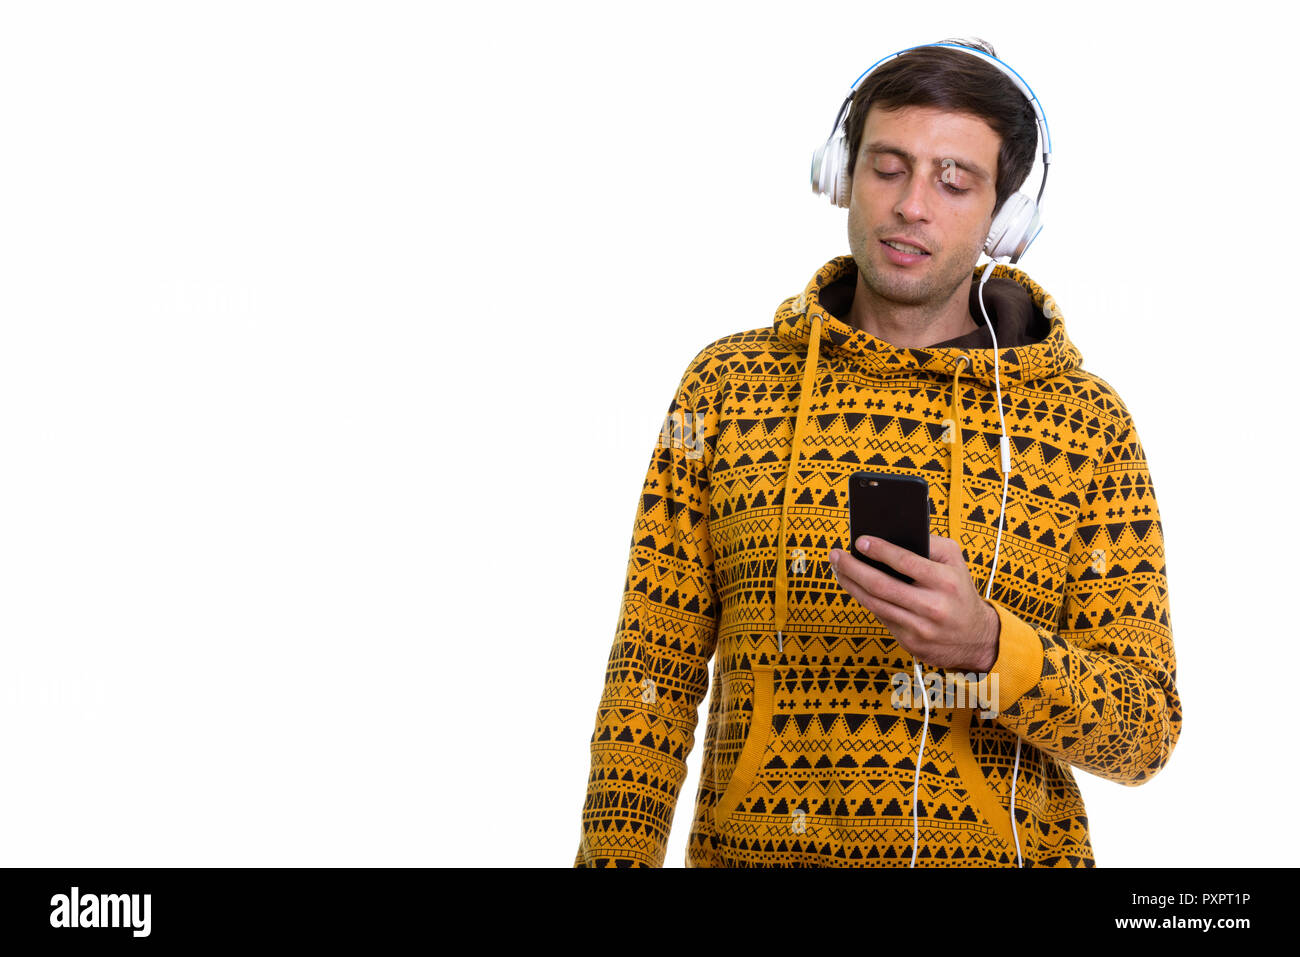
x=757, y=738
x=982, y=797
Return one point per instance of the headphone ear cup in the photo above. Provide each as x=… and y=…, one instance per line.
x=842, y=171
x=828, y=177
x=818, y=164
x=1014, y=227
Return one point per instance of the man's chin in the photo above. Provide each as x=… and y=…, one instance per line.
x=894, y=289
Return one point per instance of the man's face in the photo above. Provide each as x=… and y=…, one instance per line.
x=924, y=177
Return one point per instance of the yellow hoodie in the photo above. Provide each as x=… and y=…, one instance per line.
x=812, y=738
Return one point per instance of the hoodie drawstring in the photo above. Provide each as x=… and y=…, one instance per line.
x=809, y=371
x=955, y=502
x=955, y=508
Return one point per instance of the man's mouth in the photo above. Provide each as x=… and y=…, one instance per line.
x=905, y=247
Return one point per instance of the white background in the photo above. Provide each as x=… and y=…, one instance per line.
x=336, y=339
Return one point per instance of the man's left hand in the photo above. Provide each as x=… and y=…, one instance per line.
x=940, y=618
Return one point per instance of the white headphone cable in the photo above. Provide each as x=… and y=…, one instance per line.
x=916, y=783
x=1004, y=450
x=1005, y=447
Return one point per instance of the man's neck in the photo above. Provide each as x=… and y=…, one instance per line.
x=910, y=327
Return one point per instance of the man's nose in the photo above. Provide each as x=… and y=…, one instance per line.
x=912, y=205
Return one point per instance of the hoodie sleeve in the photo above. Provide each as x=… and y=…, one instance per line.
x=658, y=668
x=1100, y=693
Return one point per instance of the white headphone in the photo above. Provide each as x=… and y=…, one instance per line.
x=1017, y=223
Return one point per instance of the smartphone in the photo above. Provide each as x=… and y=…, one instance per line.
x=893, y=507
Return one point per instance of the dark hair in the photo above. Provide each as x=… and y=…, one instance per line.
x=951, y=80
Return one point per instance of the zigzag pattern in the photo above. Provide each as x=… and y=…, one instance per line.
x=809, y=756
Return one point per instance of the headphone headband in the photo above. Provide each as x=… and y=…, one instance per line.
x=1007, y=71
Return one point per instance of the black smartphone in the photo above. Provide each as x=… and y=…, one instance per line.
x=893, y=507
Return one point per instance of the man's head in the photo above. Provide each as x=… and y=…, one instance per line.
x=938, y=140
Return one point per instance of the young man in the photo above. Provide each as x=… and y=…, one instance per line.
x=826, y=745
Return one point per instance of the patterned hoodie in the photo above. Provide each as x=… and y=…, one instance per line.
x=815, y=721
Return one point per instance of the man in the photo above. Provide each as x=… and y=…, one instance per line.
x=826, y=745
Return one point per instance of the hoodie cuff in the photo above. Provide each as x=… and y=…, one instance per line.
x=1019, y=664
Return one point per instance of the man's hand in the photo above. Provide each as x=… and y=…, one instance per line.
x=941, y=618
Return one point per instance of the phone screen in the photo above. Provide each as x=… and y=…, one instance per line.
x=893, y=507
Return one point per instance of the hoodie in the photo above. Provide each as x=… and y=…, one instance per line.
x=816, y=722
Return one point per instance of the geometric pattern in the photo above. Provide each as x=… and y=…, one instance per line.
x=807, y=760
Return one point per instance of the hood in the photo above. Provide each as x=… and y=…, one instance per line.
x=1010, y=308
x=808, y=324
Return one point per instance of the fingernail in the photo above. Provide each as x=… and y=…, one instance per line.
x=835, y=556
x=862, y=543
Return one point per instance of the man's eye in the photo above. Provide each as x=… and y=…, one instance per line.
x=953, y=189
x=883, y=175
